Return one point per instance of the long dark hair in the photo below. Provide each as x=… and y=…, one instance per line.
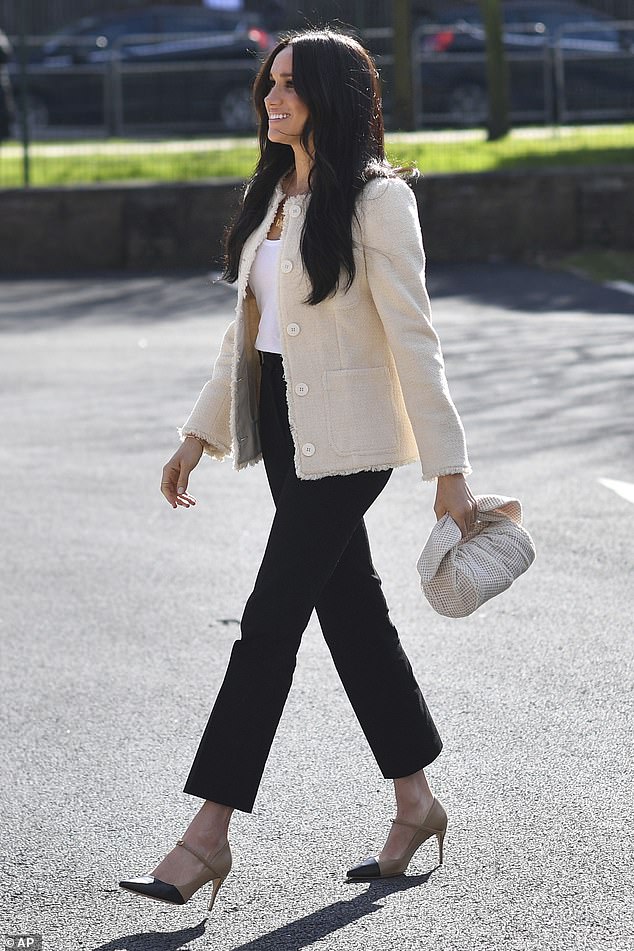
x=338, y=81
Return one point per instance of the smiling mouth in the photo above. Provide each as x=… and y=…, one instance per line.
x=278, y=118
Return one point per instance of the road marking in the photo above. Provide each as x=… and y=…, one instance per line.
x=624, y=489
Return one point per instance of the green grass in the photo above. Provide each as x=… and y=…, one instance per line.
x=597, y=264
x=153, y=166
x=433, y=154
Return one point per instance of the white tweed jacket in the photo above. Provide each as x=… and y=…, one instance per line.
x=366, y=385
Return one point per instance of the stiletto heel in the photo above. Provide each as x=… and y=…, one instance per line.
x=441, y=838
x=435, y=824
x=215, y=868
x=217, y=883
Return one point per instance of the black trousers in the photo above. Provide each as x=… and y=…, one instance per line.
x=317, y=556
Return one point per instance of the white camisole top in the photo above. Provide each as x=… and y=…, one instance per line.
x=263, y=282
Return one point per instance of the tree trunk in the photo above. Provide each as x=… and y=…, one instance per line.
x=403, y=94
x=497, y=71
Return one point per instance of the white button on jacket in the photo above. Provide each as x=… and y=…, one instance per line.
x=378, y=393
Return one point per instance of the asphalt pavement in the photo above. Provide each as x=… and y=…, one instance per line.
x=118, y=614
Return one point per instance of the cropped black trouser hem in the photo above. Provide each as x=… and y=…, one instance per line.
x=317, y=556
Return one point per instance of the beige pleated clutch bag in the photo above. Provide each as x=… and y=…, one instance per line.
x=459, y=574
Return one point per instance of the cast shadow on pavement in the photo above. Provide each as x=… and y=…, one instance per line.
x=296, y=935
x=537, y=360
x=527, y=288
x=58, y=302
x=37, y=303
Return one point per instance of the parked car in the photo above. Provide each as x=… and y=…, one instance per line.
x=164, y=65
x=598, y=62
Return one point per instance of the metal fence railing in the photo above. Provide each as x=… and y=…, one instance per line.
x=136, y=83
x=581, y=71
x=452, y=87
x=593, y=80
x=95, y=110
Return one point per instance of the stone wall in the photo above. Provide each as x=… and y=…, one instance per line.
x=155, y=227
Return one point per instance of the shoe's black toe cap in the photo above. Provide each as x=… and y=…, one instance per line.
x=153, y=888
x=368, y=869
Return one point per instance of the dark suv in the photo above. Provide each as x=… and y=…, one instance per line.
x=169, y=66
x=595, y=77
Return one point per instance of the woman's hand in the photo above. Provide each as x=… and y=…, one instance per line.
x=454, y=496
x=176, y=472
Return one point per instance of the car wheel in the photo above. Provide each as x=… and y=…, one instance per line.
x=468, y=104
x=37, y=116
x=236, y=110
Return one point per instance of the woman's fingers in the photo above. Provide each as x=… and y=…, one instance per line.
x=469, y=519
x=183, y=477
x=454, y=497
x=174, y=497
x=174, y=485
x=168, y=482
x=465, y=517
x=176, y=474
x=185, y=499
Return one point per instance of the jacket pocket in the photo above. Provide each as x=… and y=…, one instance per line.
x=360, y=410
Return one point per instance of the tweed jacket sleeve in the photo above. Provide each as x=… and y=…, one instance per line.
x=395, y=266
x=209, y=419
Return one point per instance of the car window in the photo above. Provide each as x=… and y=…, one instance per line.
x=113, y=29
x=579, y=26
x=68, y=36
x=549, y=16
x=85, y=25
x=94, y=36
x=195, y=23
x=578, y=30
x=453, y=15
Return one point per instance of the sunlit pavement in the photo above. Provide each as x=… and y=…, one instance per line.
x=119, y=613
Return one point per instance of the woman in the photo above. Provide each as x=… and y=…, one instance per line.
x=333, y=382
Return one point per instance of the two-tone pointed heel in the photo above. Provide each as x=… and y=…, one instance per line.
x=214, y=868
x=435, y=824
